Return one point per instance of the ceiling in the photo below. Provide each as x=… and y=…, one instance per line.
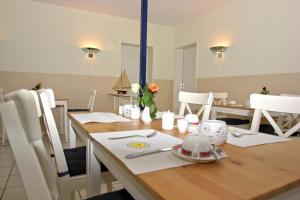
x=163, y=12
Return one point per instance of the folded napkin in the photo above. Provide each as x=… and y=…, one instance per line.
x=253, y=139
x=101, y=117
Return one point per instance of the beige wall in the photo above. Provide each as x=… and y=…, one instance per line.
x=240, y=87
x=263, y=36
x=76, y=88
x=37, y=37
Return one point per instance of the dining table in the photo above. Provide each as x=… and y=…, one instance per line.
x=269, y=171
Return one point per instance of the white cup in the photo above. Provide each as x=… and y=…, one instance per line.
x=182, y=125
x=168, y=120
x=135, y=112
x=120, y=110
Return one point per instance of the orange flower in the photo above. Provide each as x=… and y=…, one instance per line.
x=153, y=87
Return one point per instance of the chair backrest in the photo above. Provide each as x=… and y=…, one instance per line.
x=204, y=99
x=92, y=99
x=220, y=98
x=45, y=98
x=282, y=104
x=20, y=114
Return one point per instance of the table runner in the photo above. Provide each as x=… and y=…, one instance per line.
x=122, y=147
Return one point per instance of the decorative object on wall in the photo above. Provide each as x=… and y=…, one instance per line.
x=219, y=50
x=90, y=51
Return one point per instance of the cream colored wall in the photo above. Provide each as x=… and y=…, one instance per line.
x=41, y=38
x=239, y=88
x=76, y=88
x=263, y=36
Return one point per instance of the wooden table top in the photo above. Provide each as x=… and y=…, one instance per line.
x=258, y=172
x=235, y=106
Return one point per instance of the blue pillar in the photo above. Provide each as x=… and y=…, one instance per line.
x=143, y=42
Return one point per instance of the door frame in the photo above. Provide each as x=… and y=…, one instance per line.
x=178, y=68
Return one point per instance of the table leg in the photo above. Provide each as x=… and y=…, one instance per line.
x=65, y=122
x=93, y=169
x=213, y=114
x=72, y=136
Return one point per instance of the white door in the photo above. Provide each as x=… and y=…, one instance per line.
x=185, y=72
x=131, y=62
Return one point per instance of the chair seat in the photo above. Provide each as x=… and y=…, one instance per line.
x=78, y=109
x=267, y=128
x=234, y=121
x=117, y=195
x=76, y=161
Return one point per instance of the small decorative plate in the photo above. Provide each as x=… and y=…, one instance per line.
x=177, y=151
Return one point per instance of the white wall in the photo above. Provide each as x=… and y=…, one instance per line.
x=264, y=38
x=36, y=37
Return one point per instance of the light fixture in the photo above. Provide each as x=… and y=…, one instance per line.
x=90, y=51
x=219, y=50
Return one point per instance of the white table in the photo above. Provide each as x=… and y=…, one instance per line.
x=64, y=125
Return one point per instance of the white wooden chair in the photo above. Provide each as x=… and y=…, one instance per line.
x=91, y=103
x=220, y=98
x=3, y=135
x=286, y=121
x=21, y=118
x=282, y=104
x=204, y=99
x=70, y=163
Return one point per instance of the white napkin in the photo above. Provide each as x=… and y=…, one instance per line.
x=159, y=161
x=253, y=139
x=101, y=117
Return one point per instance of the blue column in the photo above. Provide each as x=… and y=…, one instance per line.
x=143, y=42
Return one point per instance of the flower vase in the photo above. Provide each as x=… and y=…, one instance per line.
x=146, y=115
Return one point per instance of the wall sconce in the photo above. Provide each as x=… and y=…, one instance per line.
x=90, y=51
x=219, y=50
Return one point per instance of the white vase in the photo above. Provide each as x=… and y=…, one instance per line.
x=146, y=115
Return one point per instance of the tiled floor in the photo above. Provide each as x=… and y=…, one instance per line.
x=11, y=186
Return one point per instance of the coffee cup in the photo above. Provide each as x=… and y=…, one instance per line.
x=182, y=125
x=196, y=145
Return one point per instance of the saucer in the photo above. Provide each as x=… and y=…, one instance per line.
x=176, y=151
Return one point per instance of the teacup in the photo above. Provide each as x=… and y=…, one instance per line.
x=196, y=145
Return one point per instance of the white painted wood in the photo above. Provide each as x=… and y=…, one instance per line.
x=122, y=174
x=63, y=104
x=263, y=104
x=220, y=98
x=21, y=120
x=177, y=83
x=54, y=135
x=3, y=134
x=232, y=110
x=92, y=99
x=204, y=99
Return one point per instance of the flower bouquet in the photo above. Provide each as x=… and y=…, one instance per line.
x=146, y=96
